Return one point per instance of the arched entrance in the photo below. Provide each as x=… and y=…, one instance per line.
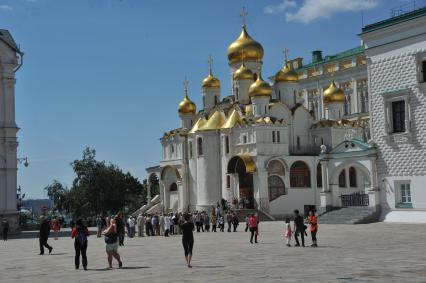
x=244, y=167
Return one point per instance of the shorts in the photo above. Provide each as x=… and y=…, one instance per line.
x=112, y=247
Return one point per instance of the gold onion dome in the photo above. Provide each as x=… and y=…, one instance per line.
x=210, y=82
x=334, y=94
x=287, y=74
x=245, y=47
x=186, y=106
x=243, y=73
x=260, y=88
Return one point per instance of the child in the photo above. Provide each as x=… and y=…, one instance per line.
x=221, y=224
x=288, y=232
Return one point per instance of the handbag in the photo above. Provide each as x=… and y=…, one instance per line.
x=111, y=238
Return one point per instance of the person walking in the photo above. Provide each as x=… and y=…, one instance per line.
x=56, y=227
x=221, y=224
x=235, y=221
x=99, y=226
x=299, y=228
x=253, y=224
x=247, y=222
x=162, y=224
x=287, y=232
x=111, y=241
x=167, y=222
x=172, y=223
x=5, y=228
x=188, y=238
x=80, y=234
x=121, y=230
x=131, y=225
x=313, y=221
x=140, y=221
x=148, y=226
x=206, y=220
x=229, y=220
x=44, y=235
x=214, y=221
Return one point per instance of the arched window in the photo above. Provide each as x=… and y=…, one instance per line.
x=173, y=187
x=276, y=187
x=319, y=176
x=342, y=179
x=275, y=168
x=200, y=146
x=352, y=177
x=300, y=176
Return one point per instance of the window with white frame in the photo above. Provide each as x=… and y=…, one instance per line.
x=421, y=67
x=403, y=194
x=273, y=136
x=397, y=113
x=278, y=137
x=244, y=139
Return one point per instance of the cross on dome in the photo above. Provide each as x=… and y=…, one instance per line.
x=243, y=15
x=185, y=86
x=285, y=52
x=210, y=64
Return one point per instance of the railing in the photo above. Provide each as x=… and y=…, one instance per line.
x=406, y=8
x=356, y=199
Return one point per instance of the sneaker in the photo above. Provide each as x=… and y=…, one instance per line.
x=297, y=245
x=85, y=268
x=50, y=250
x=77, y=268
x=189, y=266
x=120, y=264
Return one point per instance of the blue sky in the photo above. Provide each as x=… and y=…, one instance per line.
x=108, y=73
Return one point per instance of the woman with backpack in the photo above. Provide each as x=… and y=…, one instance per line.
x=80, y=234
x=111, y=240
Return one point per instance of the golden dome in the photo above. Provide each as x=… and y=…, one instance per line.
x=334, y=94
x=243, y=73
x=287, y=74
x=186, y=106
x=210, y=82
x=260, y=87
x=245, y=47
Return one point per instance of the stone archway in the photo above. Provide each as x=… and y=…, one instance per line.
x=170, y=180
x=243, y=166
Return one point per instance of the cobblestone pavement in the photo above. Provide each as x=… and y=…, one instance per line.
x=347, y=253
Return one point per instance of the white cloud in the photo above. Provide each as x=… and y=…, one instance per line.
x=6, y=8
x=275, y=9
x=316, y=9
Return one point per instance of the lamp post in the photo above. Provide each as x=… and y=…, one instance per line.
x=23, y=160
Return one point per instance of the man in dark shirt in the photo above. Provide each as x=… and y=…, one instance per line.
x=299, y=228
x=187, y=238
x=44, y=235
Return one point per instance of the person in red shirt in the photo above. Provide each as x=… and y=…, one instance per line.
x=80, y=234
x=253, y=225
x=313, y=221
x=56, y=227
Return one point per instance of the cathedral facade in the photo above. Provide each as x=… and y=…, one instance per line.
x=262, y=144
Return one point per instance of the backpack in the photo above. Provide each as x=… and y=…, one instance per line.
x=81, y=236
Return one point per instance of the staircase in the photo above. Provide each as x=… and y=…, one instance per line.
x=263, y=216
x=349, y=215
x=146, y=208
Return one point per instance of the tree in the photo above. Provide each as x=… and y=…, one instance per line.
x=57, y=192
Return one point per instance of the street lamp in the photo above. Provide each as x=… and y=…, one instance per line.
x=24, y=160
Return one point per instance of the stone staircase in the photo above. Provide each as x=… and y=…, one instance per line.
x=350, y=215
x=153, y=206
x=263, y=216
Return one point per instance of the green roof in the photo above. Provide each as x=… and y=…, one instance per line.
x=330, y=58
x=7, y=38
x=395, y=20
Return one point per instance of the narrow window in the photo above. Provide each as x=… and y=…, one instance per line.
x=298, y=143
x=342, y=179
x=322, y=141
x=236, y=93
x=278, y=137
x=273, y=136
x=279, y=94
x=227, y=144
x=200, y=146
x=228, y=181
x=352, y=177
x=244, y=139
x=294, y=96
x=398, y=116
x=190, y=149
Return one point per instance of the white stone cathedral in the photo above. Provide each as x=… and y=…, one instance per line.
x=312, y=138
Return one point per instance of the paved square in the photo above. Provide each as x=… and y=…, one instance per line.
x=348, y=253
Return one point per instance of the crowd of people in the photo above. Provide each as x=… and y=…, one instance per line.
x=114, y=228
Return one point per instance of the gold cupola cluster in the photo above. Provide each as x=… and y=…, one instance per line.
x=243, y=73
x=245, y=47
x=260, y=88
x=286, y=74
x=334, y=94
x=186, y=106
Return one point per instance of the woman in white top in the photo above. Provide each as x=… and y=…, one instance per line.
x=167, y=222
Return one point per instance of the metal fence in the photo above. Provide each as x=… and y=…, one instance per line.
x=356, y=199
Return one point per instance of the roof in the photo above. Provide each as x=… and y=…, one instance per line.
x=329, y=58
x=395, y=20
x=7, y=38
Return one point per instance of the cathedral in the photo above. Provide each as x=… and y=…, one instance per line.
x=318, y=136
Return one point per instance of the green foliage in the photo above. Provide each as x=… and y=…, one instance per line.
x=100, y=188
x=57, y=192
